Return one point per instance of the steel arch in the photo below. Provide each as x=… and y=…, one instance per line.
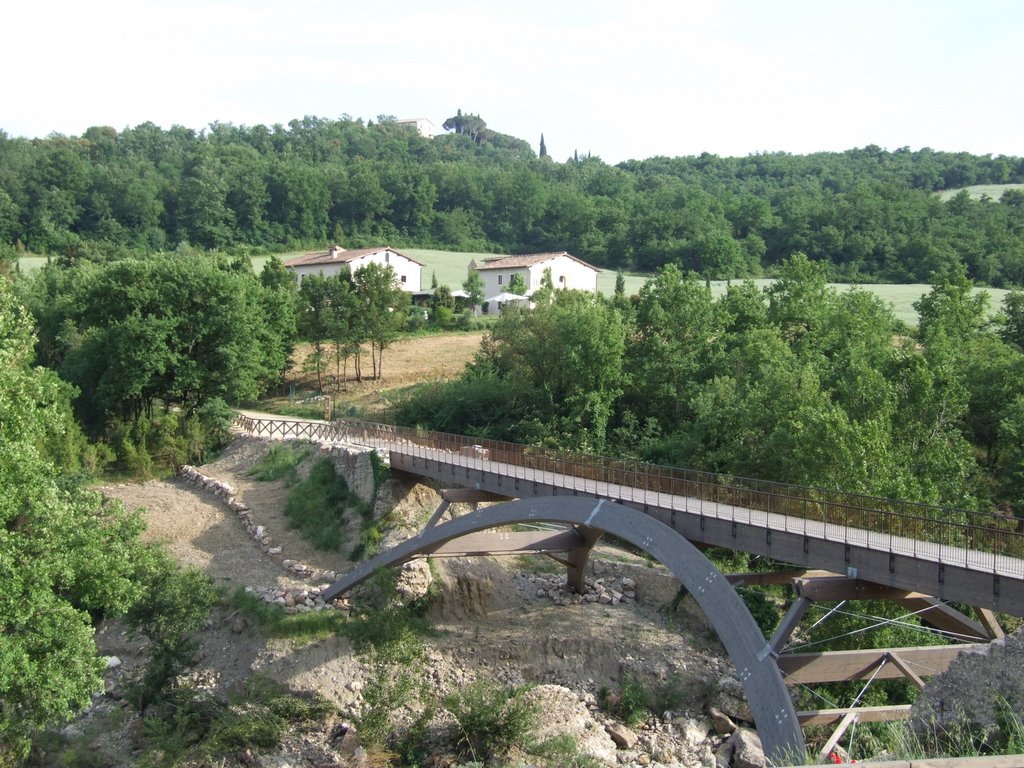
x=774, y=715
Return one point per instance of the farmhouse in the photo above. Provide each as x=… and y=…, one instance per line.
x=423, y=126
x=566, y=272
x=408, y=271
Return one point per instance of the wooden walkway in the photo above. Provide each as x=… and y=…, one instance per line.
x=967, y=562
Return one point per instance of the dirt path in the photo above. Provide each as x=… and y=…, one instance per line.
x=200, y=531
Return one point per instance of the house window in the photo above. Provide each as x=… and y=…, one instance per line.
x=403, y=278
x=387, y=258
x=499, y=279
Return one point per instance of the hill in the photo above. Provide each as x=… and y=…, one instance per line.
x=871, y=215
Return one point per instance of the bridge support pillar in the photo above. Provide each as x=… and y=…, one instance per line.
x=577, y=565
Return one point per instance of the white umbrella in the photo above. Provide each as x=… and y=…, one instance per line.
x=502, y=298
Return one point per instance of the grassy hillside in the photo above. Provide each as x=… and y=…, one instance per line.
x=995, y=191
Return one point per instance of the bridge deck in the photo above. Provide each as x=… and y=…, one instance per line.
x=939, y=559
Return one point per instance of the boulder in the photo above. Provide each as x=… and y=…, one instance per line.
x=729, y=697
x=976, y=692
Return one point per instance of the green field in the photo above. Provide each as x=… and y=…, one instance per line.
x=450, y=268
x=995, y=191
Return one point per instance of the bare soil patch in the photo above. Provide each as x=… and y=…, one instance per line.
x=407, y=362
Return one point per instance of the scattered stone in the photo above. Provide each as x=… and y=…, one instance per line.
x=747, y=752
x=621, y=734
x=721, y=722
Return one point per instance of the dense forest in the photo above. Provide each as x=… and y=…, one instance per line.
x=867, y=214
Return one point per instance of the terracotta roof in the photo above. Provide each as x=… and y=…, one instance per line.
x=342, y=256
x=528, y=260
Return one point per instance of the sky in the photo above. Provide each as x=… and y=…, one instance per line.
x=620, y=79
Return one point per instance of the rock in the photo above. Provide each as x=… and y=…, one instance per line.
x=721, y=722
x=723, y=755
x=414, y=580
x=113, y=662
x=747, y=752
x=622, y=735
x=349, y=743
x=729, y=697
x=976, y=691
x=692, y=730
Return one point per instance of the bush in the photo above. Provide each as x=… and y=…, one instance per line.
x=195, y=728
x=491, y=719
x=172, y=606
x=281, y=461
x=316, y=506
x=630, y=703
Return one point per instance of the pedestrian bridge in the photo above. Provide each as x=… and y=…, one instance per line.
x=955, y=555
x=846, y=546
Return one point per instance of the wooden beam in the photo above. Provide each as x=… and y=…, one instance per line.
x=928, y=609
x=988, y=761
x=848, y=719
x=945, y=617
x=987, y=619
x=438, y=513
x=836, y=666
x=906, y=669
x=865, y=714
x=575, y=572
x=506, y=543
x=788, y=624
x=835, y=588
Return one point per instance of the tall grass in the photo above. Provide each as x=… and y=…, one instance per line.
x=280, y=462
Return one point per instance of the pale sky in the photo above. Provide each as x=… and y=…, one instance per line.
x=618, y=78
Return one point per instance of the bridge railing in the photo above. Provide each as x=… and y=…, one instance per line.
x=964, y=537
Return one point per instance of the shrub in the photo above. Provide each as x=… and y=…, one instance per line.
x=172, y=606
x=317, y=505
x=491, y=719
x=630, y=703
x=564, y=752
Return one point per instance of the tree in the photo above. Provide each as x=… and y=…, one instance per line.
x=1012, y=327
x=316, y=320
x=952, y=309
x=517, y=285
x=383, y=304
x=568, y=355
x=180, y=330
x=474, y=286
x=63, y=553
x=543, y=147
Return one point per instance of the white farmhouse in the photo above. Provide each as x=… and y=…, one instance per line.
x=423, y=126
x=567, y=272
x=408, y=271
